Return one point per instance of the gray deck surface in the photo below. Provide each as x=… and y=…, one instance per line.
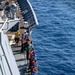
x=19, y=57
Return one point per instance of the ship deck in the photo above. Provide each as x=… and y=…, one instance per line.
x=19, y=57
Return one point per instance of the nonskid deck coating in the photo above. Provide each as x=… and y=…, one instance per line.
x=19, y=57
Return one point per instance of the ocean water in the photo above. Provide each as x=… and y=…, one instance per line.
x=54, y=37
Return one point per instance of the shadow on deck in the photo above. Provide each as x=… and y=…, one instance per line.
x=20, y=60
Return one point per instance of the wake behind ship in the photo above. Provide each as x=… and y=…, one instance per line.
x=17, y=55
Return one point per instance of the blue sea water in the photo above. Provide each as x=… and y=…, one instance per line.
x=54, y=37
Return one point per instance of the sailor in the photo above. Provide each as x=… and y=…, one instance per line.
x=7, y=9
x=13, y=9
x=24, y=36
x=22, y=43
x=27, y=53
x=17, y=37
x=27, y=42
